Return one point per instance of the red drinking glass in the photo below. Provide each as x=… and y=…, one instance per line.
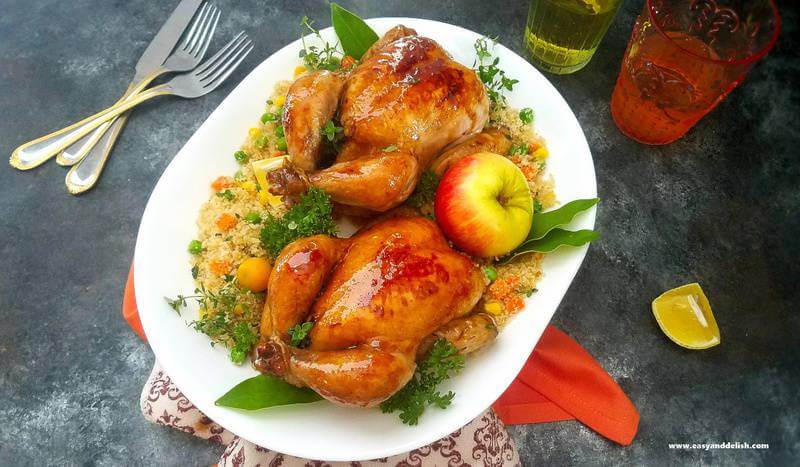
x=683, y=58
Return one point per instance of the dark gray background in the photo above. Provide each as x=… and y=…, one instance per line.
x=719, y=207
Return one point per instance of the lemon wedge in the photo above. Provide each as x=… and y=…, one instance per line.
x=685, y=316
x=260, y=169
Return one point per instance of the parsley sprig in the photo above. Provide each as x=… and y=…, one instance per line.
x=441, y=363
x=327, y=57
x=493, y=78
x=333, y=134
x=227, y=318
x=311, y=216
x=299, y=334
x=425, y=191
x=518, y=149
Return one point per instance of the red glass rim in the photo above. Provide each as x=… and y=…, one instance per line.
x=739, y=61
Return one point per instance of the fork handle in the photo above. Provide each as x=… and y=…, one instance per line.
x=34, y=153
x=79, y=149
x=83, y=176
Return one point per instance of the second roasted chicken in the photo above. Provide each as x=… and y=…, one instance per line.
x=376, y=300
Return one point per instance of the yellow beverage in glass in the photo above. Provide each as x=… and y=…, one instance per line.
x=562, y=35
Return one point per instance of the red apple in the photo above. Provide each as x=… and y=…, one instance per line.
x=483, y=205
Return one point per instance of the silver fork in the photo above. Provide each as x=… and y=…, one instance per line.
x=198, y=82
x=184, y=58
x=36, y=152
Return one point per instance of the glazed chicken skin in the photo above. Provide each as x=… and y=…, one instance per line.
x=491, y=140
x=376, y=300
x=399, y=108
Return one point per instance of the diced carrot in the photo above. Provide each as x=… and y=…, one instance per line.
x=219, y=267
x=506, y=291
x=221, y=183
x=514, y=303
x=529, y=172
x=226, y=222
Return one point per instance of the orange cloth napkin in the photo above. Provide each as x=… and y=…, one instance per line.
x=560, y=381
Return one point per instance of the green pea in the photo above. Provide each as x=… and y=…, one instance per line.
x=279, y=131
x=269, y=117
x=253, y=218
x=195, y=247
x=280, y=143
x=241, y=157
x=491, y=273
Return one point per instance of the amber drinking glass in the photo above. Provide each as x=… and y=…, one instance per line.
x=683, y=58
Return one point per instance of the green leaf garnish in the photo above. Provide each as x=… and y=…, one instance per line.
x=176, y=303
x=493, y=78
x=354, y=34
x=226, y=317
x=551, y=241
x=544, y=222
x=311, y=216
x=526, y=115
x=244, y=338
x=441, y=363
x=299, y=334
x=425, y=191
x=262, y=391
x=326, y=57
x=330, y=131
x=227, y=195
x=518, y=149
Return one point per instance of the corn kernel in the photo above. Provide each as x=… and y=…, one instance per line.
x=279, y=101
x=493, y=307
x=541, y=153
x=299, y=70
x=254, y=132
x=248, y=185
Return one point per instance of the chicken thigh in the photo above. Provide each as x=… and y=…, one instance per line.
x=399, y=108
x=375, y=299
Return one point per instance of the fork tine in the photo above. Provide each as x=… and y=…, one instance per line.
x=187, y=36
x=212, y=62
x=197, y=37
x=223, y=63
x=203, y=75
x=229, y=67
x=208, y=34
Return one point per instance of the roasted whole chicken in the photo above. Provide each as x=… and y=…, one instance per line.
x=399, y=108
x=377, y=300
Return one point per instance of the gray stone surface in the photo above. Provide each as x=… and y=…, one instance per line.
x=719, y=207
